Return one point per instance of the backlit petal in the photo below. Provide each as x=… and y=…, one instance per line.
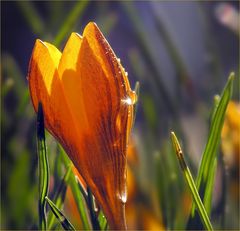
x=45, y=87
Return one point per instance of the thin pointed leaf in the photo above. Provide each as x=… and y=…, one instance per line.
x=60, y=196
x=43, y=168
x=60, y=216
x=210, y=152
x=190, y=182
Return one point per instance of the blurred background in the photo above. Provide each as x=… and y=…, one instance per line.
x=180, y=52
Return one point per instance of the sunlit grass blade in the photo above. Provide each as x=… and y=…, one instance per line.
x=60, y=196
x=78, y=196
x=206, y=172
x=43, y=168
x=59, y=215
x=83, y=191
x=190, y=182
x=74, y=14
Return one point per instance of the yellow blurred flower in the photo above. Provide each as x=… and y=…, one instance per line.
x=231, y=134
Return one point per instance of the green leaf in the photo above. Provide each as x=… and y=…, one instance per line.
x=43, y=168
x=102, y=221
x=60, y=196
x=190, y=182
x=206, y=172
x=60, y=216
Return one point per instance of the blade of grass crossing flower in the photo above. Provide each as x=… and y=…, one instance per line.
x=93, y=215
x=43, y=168
x=60, y=216
x=74, y=14
x=190, y=182
x=60, y=196
x=210, y=151
x=78, y=196
x=83, y=191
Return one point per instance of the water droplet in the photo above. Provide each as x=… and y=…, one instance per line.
x=127, y=101
x=133, y=96
x=122, y=196
x=130, y=99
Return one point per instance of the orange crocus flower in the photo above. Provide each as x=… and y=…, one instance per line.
x=88, y=108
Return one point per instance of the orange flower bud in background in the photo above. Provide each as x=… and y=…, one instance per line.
x=230, y=134
x=88, y=108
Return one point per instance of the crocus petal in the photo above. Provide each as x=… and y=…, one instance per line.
x=45, y=87
x=105, y=89
x=88, y=107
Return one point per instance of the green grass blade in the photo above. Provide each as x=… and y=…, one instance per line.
x=75, y=13
x=210, y=152
x=207, y=200
x=78, y=196
x=43, y=168
x=190, y=182
x=60, y=216
x=60, y=196
x=82, y=189
x=102, y=221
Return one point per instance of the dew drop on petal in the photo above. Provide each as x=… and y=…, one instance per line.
x=130, y=99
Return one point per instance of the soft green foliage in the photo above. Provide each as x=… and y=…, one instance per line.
x=190, y=182
x=207, y=167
